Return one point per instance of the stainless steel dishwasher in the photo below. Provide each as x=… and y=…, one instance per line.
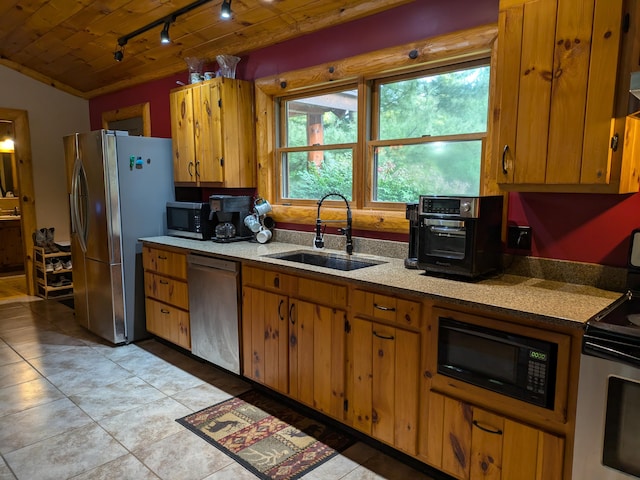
x=213, y=310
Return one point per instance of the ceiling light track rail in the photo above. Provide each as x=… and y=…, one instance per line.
x=166, y=22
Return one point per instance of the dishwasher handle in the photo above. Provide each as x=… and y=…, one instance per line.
x=212, y=262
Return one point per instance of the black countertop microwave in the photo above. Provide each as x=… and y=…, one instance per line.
x=514, y=365
x=189, y=220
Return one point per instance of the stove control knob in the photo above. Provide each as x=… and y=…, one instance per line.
x=465, y=207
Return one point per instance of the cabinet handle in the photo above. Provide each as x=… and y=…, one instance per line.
x=166, y=312
x=164, y=282
x=504, y=159
x=383, y=308
x=189, y=169
x=162, y=257
x=291, y=319
x=496, y=431
x=383, y=337
x=614, y=142
x=280, y=309
x=198, y=168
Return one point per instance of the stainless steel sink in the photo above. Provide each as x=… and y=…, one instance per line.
x=327, y=260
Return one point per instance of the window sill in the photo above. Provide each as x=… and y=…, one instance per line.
x=372, y=220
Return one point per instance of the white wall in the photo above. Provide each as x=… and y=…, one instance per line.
x=52, y=115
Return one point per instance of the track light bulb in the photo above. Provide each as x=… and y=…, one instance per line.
x=118, y=55
x=225, y=10
x=164, y=35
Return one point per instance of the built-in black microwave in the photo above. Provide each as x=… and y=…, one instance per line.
x=189, y=220
x=514, y=365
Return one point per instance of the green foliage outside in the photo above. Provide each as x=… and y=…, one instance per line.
x=445, y=104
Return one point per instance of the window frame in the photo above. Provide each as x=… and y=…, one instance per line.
x=456, y=47
x=281, y=133
x=374, y=121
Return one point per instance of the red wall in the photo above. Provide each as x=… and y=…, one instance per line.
x=586, y=228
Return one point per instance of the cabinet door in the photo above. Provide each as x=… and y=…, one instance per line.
x=487, y=436
x=316, y=355
x=384, y=394
x=182, y=134
x=557, y=63
x=479, y=445
x=237, y=130
x=531, y=454
x=207, y=131
x=265, y=338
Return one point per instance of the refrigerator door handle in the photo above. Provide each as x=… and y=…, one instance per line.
x=78, y=224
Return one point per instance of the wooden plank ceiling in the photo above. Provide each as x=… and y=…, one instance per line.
x=70, y=43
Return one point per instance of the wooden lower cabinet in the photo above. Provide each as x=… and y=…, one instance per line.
x=294, y=337
x=168, y=322
x=265, y=327
x=167, y=295
x=384, y=382
x=468, y=442
x=317, y=356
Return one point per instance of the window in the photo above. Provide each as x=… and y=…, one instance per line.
x=427, y=131
x=428, y=134
x=319, y=137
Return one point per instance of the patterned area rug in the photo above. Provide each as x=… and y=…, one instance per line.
x=268, y=438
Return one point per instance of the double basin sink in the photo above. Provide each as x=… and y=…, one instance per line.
x=327, y=260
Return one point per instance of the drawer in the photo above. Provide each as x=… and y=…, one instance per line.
x=166, y=289
x=385, y=307
x=168, y=322
x=165, y=262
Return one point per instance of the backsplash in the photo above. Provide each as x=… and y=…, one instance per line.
x=595, y=275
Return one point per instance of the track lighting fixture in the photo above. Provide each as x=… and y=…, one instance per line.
x=118, y=55
x=225, y=10
x=164, y=34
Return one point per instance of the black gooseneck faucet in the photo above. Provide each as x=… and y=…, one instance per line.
x=346, y=231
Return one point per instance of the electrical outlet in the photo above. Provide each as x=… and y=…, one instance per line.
x=518, y=238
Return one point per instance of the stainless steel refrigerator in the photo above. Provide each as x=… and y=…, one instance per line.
x=118, y=188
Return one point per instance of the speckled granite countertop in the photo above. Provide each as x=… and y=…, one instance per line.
x=522, y=297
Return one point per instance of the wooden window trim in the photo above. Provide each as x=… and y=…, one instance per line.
x=459, y=46
x=140, y=110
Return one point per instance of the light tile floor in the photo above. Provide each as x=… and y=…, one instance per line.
x=72, y=407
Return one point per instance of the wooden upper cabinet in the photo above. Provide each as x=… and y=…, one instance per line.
x=184, y=154
x=213, y=131
x=561, y=93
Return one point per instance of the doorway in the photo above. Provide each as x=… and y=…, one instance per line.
x=136, y=119
x=15, y=124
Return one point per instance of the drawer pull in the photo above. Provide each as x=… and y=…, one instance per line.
x=166, y=312
x=164, y=282
x=496, y=431
x=383, y=308
x=162, y=257
x=276, y=282
x=383, y=337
